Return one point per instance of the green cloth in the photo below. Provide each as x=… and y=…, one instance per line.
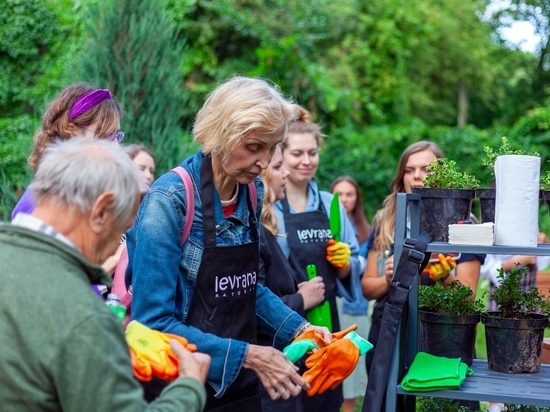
x=434, y=373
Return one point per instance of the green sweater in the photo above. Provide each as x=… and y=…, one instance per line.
x=61, y=348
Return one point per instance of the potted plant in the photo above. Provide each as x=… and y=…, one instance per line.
x=514, y=334
x=487, y=196
x=446, y=198
x=545, y=188
x=448, y=320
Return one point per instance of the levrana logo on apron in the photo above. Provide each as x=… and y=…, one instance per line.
x=314, y=235
x=234, y=285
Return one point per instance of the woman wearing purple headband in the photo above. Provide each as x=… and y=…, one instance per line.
x=79, y=110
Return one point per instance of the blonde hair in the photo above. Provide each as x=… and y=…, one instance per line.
x=304, y=124
x=57, y=126
x=240, y=106
x=269, y=218
x=384, y=221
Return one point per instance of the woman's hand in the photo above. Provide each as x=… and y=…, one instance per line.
x=109, y=265
x=312, y=291
x=388, y=269
x=278, y=375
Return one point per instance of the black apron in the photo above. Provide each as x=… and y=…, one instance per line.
x=224, y=300
x=308, y=235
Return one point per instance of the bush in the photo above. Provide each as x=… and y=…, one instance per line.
x=15, y=145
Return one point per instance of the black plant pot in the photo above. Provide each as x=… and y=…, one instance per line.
x=486, y=204
x=440, y=208
x=451, y=336
x=545, y=195
x=514, y=345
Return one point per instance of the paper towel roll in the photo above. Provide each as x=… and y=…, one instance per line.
x=517, y=200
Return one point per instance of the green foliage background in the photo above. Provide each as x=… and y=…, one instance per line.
x=377, y=76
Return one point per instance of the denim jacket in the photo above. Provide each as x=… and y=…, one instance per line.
x=163, y=273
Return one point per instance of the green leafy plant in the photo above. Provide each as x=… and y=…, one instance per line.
x=545, y=181
x=453, y=299
x=525, y=408
x=444, y=174
x=514, y=302
x=428, y=404
x=504, y=149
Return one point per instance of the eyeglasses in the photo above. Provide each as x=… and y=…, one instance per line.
x=118, y=136
x=113, y=137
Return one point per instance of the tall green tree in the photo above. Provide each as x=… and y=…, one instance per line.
x=132, y=49
x=34, y=45
x=279, y=39
x=536, y=12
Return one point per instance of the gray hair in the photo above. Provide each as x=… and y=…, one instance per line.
x=77, y=171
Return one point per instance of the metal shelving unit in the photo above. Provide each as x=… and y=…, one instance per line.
x=484, y=385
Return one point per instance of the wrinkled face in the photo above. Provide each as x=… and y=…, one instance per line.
x=346, y=195
x=415, y=170
x=277, y=174
x=251, y=155
x=301, y=157
x=108, y=239
x=146, y=165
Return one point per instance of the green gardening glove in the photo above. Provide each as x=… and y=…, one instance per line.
x=299, y=348
x=363, y=344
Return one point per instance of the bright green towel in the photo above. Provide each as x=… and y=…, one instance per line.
x=432, y=373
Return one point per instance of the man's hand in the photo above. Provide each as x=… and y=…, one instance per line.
x=191, y=364
x=151, y=352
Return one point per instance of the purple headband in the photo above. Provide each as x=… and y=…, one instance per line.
x=88, y=101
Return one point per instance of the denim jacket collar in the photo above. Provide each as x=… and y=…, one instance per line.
x=241, y=211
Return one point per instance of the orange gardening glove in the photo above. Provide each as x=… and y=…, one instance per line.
x=151, y=353
x=437, y=271
x=330, y=365
x=338, y=253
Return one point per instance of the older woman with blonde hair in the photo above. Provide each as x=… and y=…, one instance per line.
x=206, y=290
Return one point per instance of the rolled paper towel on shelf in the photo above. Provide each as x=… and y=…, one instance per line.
x=517, y=200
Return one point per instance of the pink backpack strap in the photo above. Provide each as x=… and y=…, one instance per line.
x=190, y=193
x=253, y=195
x=119, y=282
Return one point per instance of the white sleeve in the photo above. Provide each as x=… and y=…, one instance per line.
x=491, y=265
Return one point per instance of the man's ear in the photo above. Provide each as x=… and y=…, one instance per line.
x=101, y=216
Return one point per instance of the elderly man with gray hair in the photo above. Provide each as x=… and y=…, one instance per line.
x=62, y=348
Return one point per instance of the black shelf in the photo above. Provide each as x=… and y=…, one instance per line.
x=484, y=385
x=542, y=249
x=487, y=385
